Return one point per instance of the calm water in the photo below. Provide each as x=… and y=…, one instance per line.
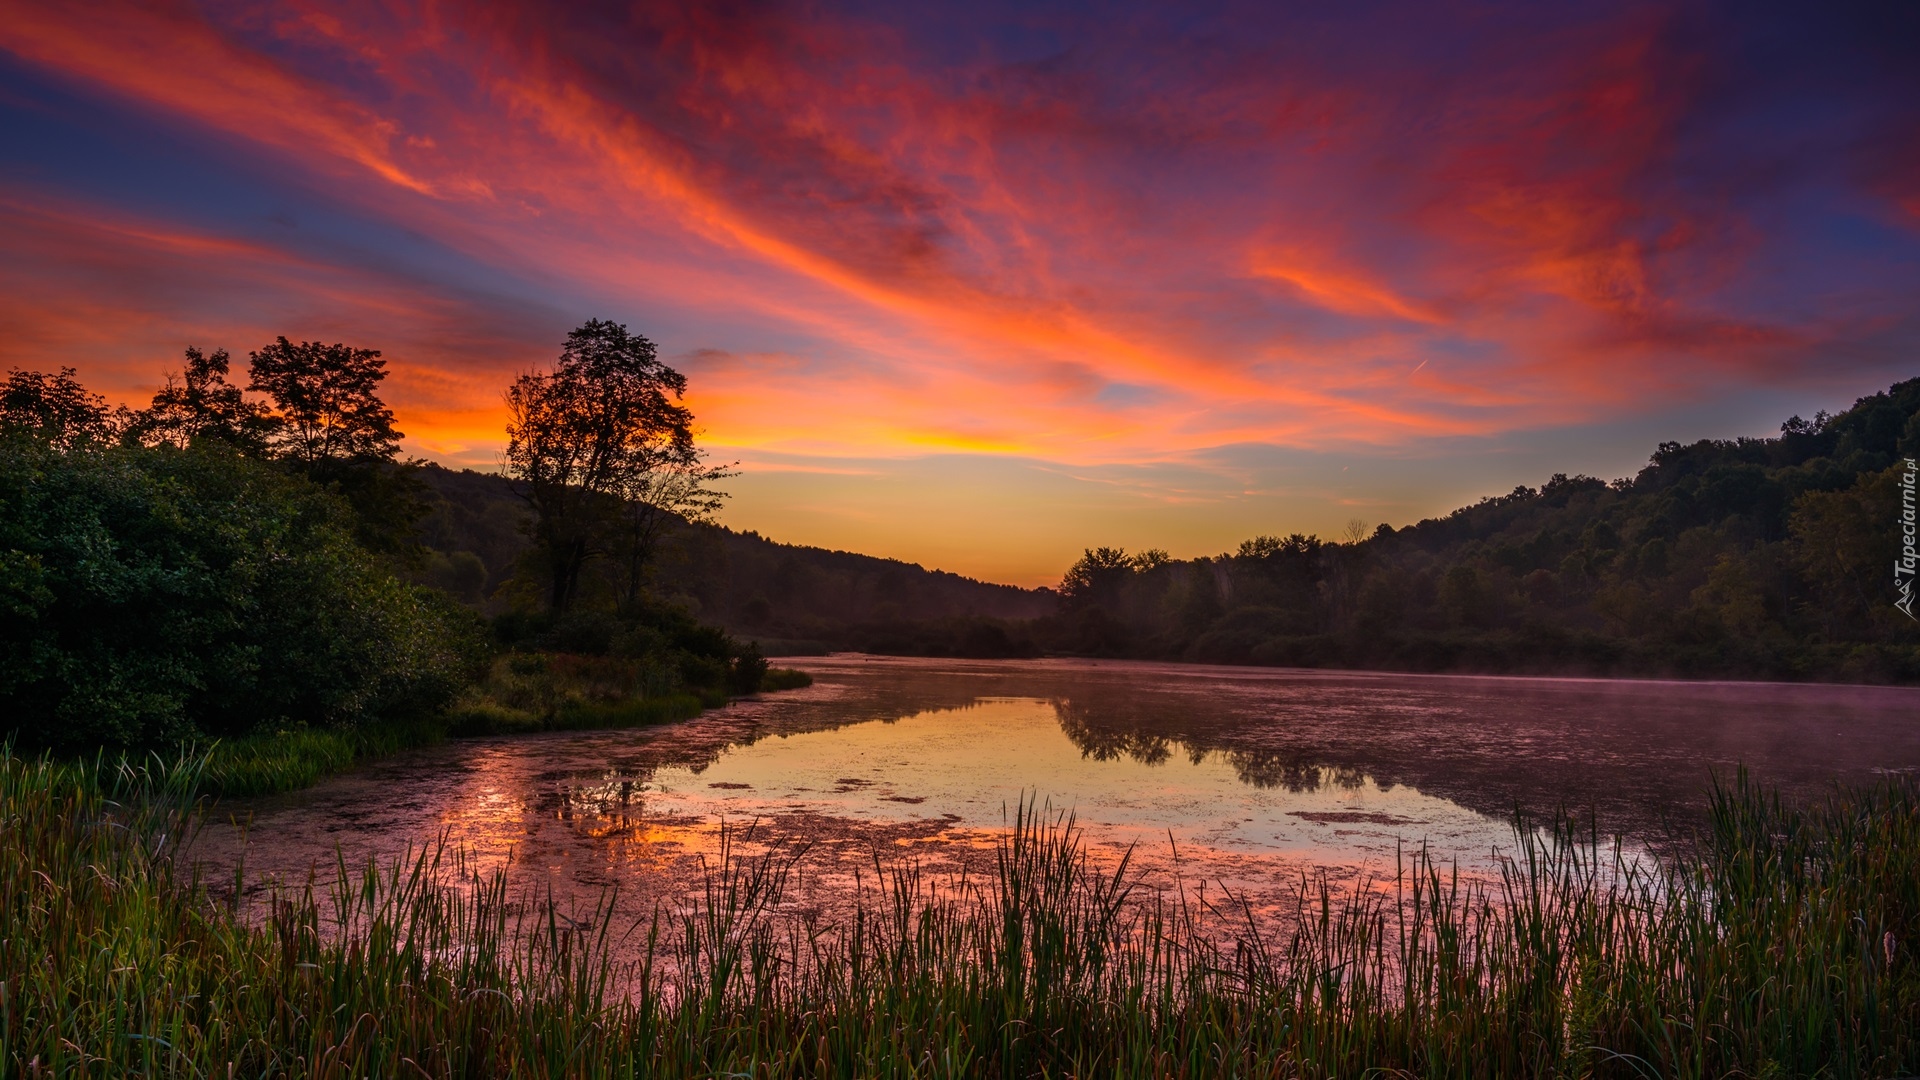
x=1234, y=777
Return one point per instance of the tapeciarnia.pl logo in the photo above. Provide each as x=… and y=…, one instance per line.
x=1904, y=566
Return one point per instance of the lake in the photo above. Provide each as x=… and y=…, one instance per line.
x=1235, y=779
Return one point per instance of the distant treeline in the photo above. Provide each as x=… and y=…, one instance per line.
x=1767, y=557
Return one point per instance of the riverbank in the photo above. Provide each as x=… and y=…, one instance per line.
x=1780, y=944
x=574, y=694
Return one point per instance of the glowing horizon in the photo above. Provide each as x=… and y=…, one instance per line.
x=980, y=290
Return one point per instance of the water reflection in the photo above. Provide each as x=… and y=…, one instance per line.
x=967, y=768
x=1237, y=776
x=1297, y=770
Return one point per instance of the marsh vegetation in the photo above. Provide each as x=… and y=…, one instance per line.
x=1777, y=941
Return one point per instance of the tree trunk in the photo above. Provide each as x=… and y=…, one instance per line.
x=564, y=559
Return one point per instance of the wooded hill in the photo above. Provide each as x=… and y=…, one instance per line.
x=1751, y=557
x=789, y=597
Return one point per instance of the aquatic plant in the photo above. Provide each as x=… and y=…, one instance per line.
x=524, y=692
x=780, y=678
x=270, y=761
x=1778, y=941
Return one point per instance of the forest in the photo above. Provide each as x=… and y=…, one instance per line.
x=1749, y=558
x=219, y=565
x=245, y=565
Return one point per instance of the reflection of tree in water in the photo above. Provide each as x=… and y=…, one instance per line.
x=1292, y=770
x=1108, y=728
x=1103, y=742
x=610, y=803
x=616, y=792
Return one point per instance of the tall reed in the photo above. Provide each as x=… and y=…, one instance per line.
x=1779, y=943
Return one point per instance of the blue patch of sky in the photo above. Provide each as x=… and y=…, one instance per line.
x=72, y=146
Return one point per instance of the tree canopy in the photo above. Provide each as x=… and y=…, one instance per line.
x=201, y=404
x=599, y=445
x=55, y=407
x=150, y=594
x=328, y=414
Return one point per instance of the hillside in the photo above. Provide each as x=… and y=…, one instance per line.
x=790, y=597
x=1751, y=557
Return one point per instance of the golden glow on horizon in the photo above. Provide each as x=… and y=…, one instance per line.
x=859, y=261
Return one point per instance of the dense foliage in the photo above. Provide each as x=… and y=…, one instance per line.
x=223, y=566
x=158, y=593
x=1752, y=557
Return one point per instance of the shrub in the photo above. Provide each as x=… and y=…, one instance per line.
x=748, y=672
x=149, y=595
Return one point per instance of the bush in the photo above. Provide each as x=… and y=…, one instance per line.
x=589, y=633
x=151, y=595
x=748, y=672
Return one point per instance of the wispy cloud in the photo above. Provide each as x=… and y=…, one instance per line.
x=1097, y=239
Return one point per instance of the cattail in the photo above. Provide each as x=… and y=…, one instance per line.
x=1888, y=945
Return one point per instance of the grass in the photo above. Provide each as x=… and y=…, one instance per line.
x=1779, y=944
x=525, y=692
x=522, y=693
x=785, y=679
x=273, y=761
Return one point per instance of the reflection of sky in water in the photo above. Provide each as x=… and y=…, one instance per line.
x=969, y=767
x=1257, y=775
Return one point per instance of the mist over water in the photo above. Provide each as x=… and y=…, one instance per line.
x=1234, y=778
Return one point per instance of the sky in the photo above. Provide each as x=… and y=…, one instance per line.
x=980, y=285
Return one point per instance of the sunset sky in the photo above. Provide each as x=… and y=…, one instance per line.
x=985, y=284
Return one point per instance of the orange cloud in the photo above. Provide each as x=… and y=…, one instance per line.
x=1128, y=250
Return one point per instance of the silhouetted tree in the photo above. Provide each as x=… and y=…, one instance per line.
x=55, y=408
x=1281, y=571
x=201, y=404
x=678, y=488
x=329, y=424
x=1096, y=580
x=588, y=438
x=328, y=416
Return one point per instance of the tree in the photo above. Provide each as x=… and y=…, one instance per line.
x=56, y=408
x=1151, y=559
x=201, y=404
x=599, y=446
x=329, y=418
x=1096, y=580
x=1845, y=546
x=330, y=425
x=676, y=490
x=1283, y=572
